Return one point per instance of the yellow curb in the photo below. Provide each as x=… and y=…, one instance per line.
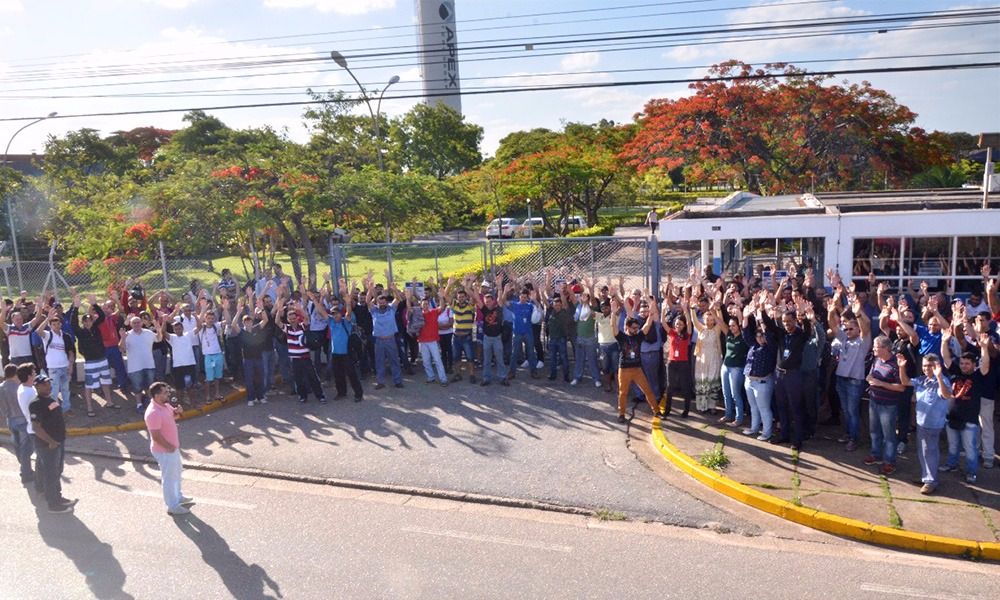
x=211, y=407
x=816, y=519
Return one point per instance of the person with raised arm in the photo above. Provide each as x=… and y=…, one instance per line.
x=630, y=360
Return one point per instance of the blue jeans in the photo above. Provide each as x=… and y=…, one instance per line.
x=882, y=426
x=116, y=362
x=586, y=354
x=493, y=351
x=269, y=361
x=253, y=378
x=170, y=476
x=387, y=349
x=929, y=453
x=759, y=394
x=732, y=392
x=284, y=364
x=23, y=446
x=609, y=358
x=60, y=385
x=524, y=349
x=969, y=438
x=462, y=344
x=849, y=392
x=557, y=356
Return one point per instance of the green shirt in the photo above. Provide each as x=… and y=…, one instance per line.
x=561, y=323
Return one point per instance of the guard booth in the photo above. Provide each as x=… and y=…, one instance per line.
x=904, y=236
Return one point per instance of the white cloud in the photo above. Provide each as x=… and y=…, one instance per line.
x=172, y=4
x=341, y=7
x=581, y=61
x=11, y=6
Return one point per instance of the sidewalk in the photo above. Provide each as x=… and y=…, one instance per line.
x=826, y=478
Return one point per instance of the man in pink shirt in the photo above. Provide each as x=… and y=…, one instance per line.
x=164, y=442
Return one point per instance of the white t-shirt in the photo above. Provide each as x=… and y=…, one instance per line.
x=974, y=310
x=19, y=339
x=209, y=339
x=190, y=323
x=55, y=352
x=25, y=396
x=182, y=348
x=139, y=350
x=444, y=318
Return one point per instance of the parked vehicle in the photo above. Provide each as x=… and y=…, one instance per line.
x=530, y=228
x=575, y=222
x=502, y=228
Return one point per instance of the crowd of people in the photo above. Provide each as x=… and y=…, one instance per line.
x=766, y=356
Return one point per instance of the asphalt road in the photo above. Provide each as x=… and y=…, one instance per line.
x=548, y=443
x=257, y=538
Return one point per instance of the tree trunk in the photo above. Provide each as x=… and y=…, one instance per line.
x=293, y=250
x=307, y=247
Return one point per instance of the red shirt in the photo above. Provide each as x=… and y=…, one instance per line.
x=677, y=347
x=430, y=332
x=109, y=330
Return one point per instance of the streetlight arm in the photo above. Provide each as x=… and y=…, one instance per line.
x=11, y=141
x=364, y=95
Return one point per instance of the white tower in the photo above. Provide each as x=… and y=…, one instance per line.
x=438, y=38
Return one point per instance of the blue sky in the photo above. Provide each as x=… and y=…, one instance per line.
x=47, y=45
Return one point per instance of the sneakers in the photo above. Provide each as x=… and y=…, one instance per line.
x=622, y=419
x=597, y=383
x=398, y=385
x=763, y=438
x=947, y=468
x=186, y=501
x=524, y=365
x=262, y=401
x=987, y=464
x=504, y=383
x=574, y=382
x=429, y=381
x=927, y=489
x=843, y=439
x=59, y=509
x=970, y=478
x=851, y=446
x=888, y=469
x=379, y=386
x=871, y=460
x=749, y=431
x=250, y=402
x=539, y=365
x=901, y=448
x=178, y=510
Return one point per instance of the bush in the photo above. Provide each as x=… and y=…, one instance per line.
x=601, y=229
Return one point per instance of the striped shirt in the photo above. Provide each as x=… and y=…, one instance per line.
x=296, y=339
x=464, y=317
x=20, y=340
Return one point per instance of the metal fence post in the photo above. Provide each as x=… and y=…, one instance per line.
x=493, y=261
x=388, y=260
x=163, y=267
x=592, y=260
x=654, y=264
x=437, y=271
x=334, y=263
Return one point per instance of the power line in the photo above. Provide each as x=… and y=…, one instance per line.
x=298, y=90
x=519, y=43
x=829, y=73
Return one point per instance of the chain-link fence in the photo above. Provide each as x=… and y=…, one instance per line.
x=601, y=259
x=406, y=261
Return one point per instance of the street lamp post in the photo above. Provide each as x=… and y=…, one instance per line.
x=531, y=225
x=10, y=210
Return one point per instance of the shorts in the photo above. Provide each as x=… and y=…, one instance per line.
x=213, y=367
x=183, y=377
x=96, y=373
x=140, y=380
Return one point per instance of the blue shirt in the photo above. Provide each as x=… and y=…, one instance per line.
x=384, y=322
x=339, y=334
x=930, y=343
x=932, y=409
x=522, y=316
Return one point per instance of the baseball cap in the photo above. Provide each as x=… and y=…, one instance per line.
x=42, y=379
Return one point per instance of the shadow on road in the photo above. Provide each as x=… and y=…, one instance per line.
x=94, y=559
x=242, y=580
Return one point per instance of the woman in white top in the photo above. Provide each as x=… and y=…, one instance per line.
x=182, y=352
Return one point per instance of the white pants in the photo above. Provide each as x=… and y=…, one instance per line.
x=170, y=477
x=986, y=425
x=430, y=352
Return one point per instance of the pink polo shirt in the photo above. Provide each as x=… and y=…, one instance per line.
x=161, y=418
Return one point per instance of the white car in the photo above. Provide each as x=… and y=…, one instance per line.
x=577, y=222
x=530, y=228
x=501, y=228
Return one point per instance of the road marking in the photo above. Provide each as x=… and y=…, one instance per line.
x=198, y=500
x=912, y=592
x=489, y=539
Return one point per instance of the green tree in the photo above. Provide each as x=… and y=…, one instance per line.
x=435, y=140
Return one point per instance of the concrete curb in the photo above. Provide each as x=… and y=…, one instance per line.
x=830, y=523
x=358, y=485
x=232, y=398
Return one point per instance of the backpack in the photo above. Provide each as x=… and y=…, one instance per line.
x=414, y=321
